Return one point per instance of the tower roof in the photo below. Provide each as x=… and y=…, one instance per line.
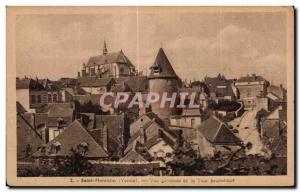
x=163, y=64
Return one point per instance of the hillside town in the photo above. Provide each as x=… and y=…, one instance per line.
x=238, y=128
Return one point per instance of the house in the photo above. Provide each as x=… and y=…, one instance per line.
x=136, y=154
x=33, y=94
x=72, y=138
x=274, y=124
x=67, y=82
x=69, y=93
x=134, y=83
x=28, y=139
x=146, y=119
x=108, y=130
x=57, y=117
x=214, y=137
x=150, y=139
x=187, y=122
x=30, y=93
x=106, y=65
x=145, y=147
x=250, y=88
x=200, y=86
x=53, y=89
x=276, y=93
x=94, y=85
x=220, y=88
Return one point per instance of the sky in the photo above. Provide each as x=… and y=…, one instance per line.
x=198, y=43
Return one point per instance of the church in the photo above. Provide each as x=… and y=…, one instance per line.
x=114, y=64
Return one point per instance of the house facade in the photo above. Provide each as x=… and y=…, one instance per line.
x=250, y=88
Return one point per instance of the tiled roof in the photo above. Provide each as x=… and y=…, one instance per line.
x=40, y=119
x=95, y=82
x=154, y=117
x=213, y=83
x=114, y=124
x=70, y=138
x=20, y=108
x=251, y=78
x=162, y=62
x=26, y=121
x=277, y=91
x=24, y=83
x=94, y=98
x=217, y=132
x=134, y=83
x=114, y=57
x=28, y=83
x=57, y=109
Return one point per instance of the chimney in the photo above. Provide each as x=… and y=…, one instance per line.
x=104, y=137
x=83, y=72
x=143, y=135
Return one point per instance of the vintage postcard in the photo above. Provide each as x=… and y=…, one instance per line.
x=150, y=96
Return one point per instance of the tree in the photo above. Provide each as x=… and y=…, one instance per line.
x=185, y=161
x=259, y=116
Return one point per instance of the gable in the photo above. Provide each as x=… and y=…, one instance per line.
x=225, y=136
x=160, y=147
x=133, y=156
x=274, y=114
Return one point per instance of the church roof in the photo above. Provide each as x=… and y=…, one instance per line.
x=161, y=61
x=114, y=57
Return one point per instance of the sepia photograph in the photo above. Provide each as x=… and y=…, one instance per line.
x=150, y=96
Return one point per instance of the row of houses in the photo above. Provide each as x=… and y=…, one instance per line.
x=55, y=118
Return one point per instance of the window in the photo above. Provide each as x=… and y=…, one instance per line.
x=178, y=121
x=39, y=98
x=192, y=123
x=49, y=98
x=56, y=133
x=121, y=70
x=55, y=147
x=32, y=98
x=54, y=98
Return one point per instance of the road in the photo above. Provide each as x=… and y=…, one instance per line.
x=248, y=132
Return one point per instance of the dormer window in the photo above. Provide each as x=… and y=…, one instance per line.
x=156, y=70
x=55, y=147
x=60, y=123
x=83, y=148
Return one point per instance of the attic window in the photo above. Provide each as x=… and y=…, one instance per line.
x=55, y=147
x=156, y=69
x=83, y=148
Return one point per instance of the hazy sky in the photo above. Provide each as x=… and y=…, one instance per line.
x=197, y=43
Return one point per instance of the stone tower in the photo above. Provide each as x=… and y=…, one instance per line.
x=162, y=79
